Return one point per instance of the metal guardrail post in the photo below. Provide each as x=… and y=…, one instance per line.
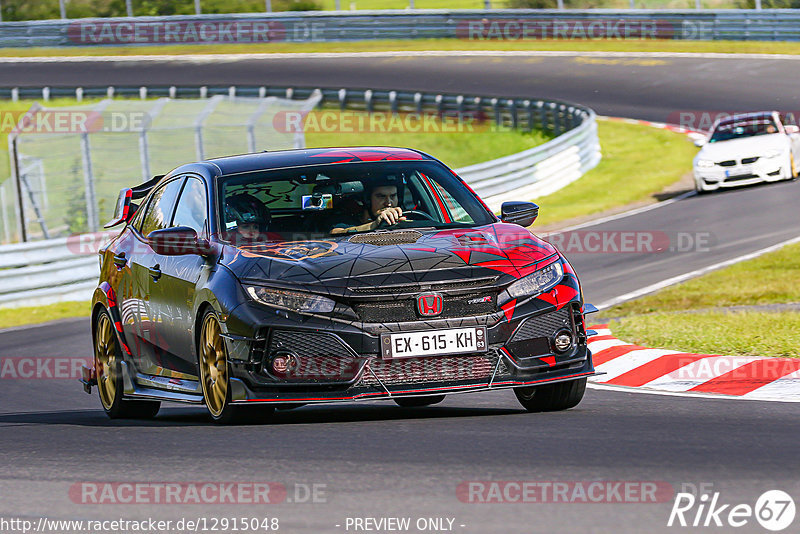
x=88, y=180
x=368, y=100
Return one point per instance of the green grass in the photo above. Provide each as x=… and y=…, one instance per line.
x=773, y=278
x=626, y=173
x=733, y=334
x=600, y=45
x=41, y=314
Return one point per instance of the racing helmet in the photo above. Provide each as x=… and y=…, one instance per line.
x=244, y=208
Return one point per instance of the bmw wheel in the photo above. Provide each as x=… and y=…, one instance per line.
x=551, y=397
x=107, y=362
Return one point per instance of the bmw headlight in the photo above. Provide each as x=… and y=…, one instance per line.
x=705, y=163
x=291, y=300
x=773, y=153
x=537, y=282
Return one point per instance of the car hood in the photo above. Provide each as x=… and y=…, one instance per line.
x=756, y=145
x=499, y=251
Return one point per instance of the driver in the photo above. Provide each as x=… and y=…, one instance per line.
x=382, y=200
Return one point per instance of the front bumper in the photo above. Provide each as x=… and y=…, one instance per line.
x=764, y=170
x=342, y=361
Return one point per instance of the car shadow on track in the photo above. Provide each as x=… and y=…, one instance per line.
x=305, y=415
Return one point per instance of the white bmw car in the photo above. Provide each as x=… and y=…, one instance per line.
x=746, y=149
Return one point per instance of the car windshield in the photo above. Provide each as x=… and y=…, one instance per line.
x=312, y=202
x=744, y=128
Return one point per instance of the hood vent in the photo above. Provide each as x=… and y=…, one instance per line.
x=382, y=239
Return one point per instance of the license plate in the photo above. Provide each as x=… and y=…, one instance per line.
x=434, y=342
x=741, y=170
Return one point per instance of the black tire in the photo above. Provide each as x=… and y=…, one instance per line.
x=107, y=360
x=551, y=397
x=220, y=409
x=418, y=402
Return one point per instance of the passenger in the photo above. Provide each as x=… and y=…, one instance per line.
x=383, y=207
x=251, y=216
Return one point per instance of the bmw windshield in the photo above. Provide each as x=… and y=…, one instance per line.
x=745, y=128
x=310, y=202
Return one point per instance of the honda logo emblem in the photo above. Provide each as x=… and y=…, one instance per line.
x=429, y=304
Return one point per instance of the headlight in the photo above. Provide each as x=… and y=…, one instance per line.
x=538, y=282
x=291, y=300
x=773, y=153
x=705, y=163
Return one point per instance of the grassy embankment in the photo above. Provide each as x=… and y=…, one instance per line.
x=690, y=317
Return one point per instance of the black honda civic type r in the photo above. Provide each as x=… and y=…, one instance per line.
x=278, y=279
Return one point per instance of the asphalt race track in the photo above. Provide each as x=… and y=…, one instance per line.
x=378, y=460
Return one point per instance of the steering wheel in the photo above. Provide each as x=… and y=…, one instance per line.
x=419, y=214
x=414, y=213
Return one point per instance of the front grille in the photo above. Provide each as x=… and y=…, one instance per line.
x=727, y=163
x=433, y=369
x=308, y=344
x=382, y=239
x=398, y=289
x=544, y=325
x=749, y=160
x=738, y=177
x=403, y=310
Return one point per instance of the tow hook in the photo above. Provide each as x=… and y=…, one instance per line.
x=88, y=378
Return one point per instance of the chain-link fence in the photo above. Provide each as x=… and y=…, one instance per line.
x=71, y=162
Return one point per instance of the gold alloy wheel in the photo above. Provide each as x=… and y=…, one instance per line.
x=213, y=366
x=105, y=353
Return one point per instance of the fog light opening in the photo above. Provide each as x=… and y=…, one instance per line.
x=562, y=341
x=282, y=362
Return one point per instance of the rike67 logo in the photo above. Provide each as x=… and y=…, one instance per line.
x=774, y=510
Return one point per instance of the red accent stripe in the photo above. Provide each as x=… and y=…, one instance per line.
x=508, y=309
x=447, y=388
x=438, y=199
x=549, y=360
x=749, y=377
x=599, y=358
x=657, y=368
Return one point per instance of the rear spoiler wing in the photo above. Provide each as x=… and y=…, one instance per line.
x=125, y=207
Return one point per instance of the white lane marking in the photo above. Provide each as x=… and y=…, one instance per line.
x=693, y=274
x=699, y=372
x=787, y=387
x=624, y=214
x=629, y=362
x=210, y=58
x=603, y=344
x=625, y=389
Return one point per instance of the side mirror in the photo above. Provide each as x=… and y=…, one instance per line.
x=791, y=128
x=521, y=213
x=178, y=241
x=698, y=139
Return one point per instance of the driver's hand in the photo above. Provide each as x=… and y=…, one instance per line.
x=390, y=216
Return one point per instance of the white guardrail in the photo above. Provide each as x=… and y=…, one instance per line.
x=67, y=268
